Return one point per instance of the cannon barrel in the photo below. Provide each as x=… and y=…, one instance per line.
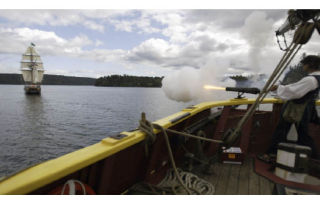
x=251, y=90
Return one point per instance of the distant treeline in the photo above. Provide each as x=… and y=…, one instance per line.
x=108, y=81
x=128, y=81
x=48, y=80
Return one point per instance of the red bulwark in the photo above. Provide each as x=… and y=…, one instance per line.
x=220, y=129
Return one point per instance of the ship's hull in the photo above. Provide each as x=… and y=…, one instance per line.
x=117, y=163
x=32, y=89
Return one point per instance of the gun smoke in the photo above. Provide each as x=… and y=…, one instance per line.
x=187, y=84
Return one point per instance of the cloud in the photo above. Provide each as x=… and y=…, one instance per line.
x=170, y=40
x=190, y=43
x=16, y=40
x=52, y=18
x=123, y=20
x=228, y=19
x=195, y=53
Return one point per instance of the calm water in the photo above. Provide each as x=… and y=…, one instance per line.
x=66, y=118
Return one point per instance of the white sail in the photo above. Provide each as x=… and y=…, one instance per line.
x=27, y=75
x=31, y=66
x=40, y=76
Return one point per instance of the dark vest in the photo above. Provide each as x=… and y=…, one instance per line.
x=310, y=96
x=310, y=113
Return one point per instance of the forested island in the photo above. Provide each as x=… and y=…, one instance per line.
x=128, y=81
x=107, y=81
x=48, y=79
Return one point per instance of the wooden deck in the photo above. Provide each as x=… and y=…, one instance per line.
x=232, y=179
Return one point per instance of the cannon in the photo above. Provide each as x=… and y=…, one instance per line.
x=242, y=90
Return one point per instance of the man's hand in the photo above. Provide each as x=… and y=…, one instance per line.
x=274, y=88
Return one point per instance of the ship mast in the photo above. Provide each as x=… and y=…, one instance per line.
x=32, y=62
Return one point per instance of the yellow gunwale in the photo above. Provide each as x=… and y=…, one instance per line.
x=44, y=173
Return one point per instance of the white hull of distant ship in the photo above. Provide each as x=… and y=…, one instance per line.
x=32, y=70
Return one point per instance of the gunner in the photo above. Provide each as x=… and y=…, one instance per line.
x=300, y=105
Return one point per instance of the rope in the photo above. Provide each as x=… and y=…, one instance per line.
x=148, y=128
x=285, y=43
x=283, y=63
x=196, y=184
x=173, y=162
x=189, y=135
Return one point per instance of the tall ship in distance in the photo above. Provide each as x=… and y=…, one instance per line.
x=32, y=70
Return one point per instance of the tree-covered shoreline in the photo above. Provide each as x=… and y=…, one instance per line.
x=48, y=79
x=106, y=81
x=128, y=81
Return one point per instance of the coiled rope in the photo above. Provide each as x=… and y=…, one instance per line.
x=193, y=182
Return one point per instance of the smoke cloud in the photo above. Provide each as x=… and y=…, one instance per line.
x=187, y=84
x=258, y=33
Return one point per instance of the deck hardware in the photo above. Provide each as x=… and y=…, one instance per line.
x=118, y=136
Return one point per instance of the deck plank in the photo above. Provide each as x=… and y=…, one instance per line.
x=243, y=185
x=265, y=186
x=221, y=186
x=230, y=179
x=254, y=183
x=216, y=169
x=232, y=187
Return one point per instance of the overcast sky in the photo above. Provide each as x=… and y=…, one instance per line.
x=94, y=43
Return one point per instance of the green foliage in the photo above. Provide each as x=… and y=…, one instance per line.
x=48, y=80
x=128, y=81
x=294, y=74
x=11, y=79
x=67, y=80
x=108, y=81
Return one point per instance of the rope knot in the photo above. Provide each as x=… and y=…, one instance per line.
x=147, y=128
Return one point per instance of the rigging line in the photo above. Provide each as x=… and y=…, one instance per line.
x=283, y=69
x=264, y=90
x=284, y=57
x=147, y=127
x=280, y=72
x=275, y=73
x=261, y=96
x=193, y=136
x=172, y=160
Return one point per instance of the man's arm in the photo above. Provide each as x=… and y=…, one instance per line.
x=296, y=90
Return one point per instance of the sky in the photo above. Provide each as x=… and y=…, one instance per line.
x=143, y=42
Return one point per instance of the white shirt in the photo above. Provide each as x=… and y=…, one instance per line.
x=298, y=89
